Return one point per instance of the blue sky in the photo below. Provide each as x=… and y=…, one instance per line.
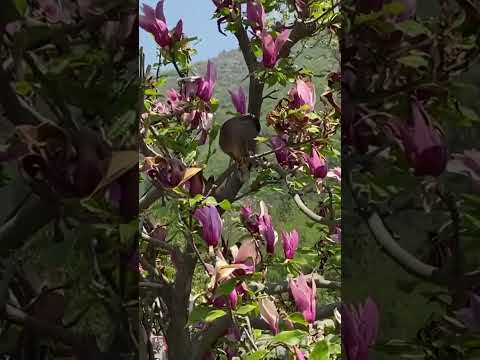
x=197, y=21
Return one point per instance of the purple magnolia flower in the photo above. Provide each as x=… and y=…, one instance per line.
x=290, y=243
x=266, y=229
x=195, y=185
x=470, y=316
x=317, y=164
x=359, y=329
x=256, y=15
x=153, y=21
x=271, y=48
x=230, y=302
x=212, y=224
x=249, y=219
x=239, y=100
x=304, y=296
x=269, y=313
x=167, y=173
x=424, y=143
x=53, y=12
x=303, y=93
x=206, y=85
x=284, y=155
x=337, y=235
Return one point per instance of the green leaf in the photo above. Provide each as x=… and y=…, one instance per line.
x=227, y=287
x=210, y=201
x=23, y=88
x=21, y=6
x=395, y=8
x=412, y=28
x=469, y=113
x=214, y=104
x=151, y=92
x=214, y=314
x=245, y=309
x=257, y=355
x=261, y=139
x=225, y=205
x=297, y=318
x=198, y=314
x=290, y=338
x=413, y=61
x=195, y=200
x=320, y=351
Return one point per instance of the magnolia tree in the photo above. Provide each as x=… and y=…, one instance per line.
x=201, y=296
x=400, y=90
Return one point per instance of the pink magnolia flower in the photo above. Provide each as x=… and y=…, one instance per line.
x=298, y=354
x=173, y=98
x=290, y=243
x=239, y=100
x=246, y=255
x=211, y=222
x=335, y=173
x=153, y=21
x=359, y=329
x=424, y=144
x=206, y=85
x=304, y=296
x=206, y=122
x=266, y=229
x=317, y=164
x=303, y=93
x=271, y=48
x=256, y=15
x=200, y=120
x=269, y=313
x=243, y=263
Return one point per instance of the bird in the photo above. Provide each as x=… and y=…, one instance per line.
x=237, y=140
